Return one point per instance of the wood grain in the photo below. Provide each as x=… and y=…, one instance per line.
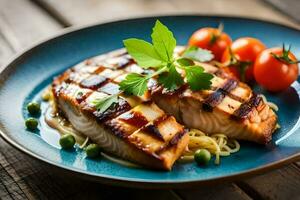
x=90, y=11
x=217, y=192
x=23, y=23
x=280, y=184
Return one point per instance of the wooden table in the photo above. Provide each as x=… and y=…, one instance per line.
x=23, y=22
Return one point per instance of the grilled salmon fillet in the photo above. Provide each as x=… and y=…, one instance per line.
x=145, y=129
x=135, y=129
x=229, y=107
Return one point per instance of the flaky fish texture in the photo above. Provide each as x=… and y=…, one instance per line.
x=147, y=129
x=230, y=107
x=135, y=129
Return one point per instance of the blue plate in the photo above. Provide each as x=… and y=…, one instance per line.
x=28, y=74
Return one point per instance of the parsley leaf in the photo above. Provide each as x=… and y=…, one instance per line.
x=159, y=55
x=171, y=80
x=163, y=41
x=198, y=54
x=185, y=62
x=197, y=78
x=134, y=84
x=105, y=103
x=143, y=53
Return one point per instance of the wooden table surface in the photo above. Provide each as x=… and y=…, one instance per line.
x=23, y=22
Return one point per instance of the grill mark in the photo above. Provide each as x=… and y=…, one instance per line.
x=237, y=98
x=134, y=118
x=80, y=97
x=153, y=130
x=116, y=129
x=243, y=111
x=174, y=141
x=121, y=107
x=99, y=69
x=93, y=82
x=216, y=97
x=176, y=138
x=124, y=63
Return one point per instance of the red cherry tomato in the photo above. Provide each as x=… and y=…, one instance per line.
x=276, y=74
x=212, y=39
x=241, y=55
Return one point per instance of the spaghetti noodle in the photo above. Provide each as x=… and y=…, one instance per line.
x=217, y=144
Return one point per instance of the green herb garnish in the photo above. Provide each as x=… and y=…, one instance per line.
x=135, y=84
x=105, y=103
x=159, y=56
x=198, y=54
x=171, y=80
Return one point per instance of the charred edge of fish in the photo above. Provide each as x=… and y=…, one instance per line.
x=216, y=97
x=153, y=130
x=124, y=63
x=116, y=128
x=93, y=82
x=246, y=107
x=177, y=138
x=121, y=107
x=134, y=118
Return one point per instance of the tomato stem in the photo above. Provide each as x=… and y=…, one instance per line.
x=240, y=66
x=215, y=37
x=285, y=56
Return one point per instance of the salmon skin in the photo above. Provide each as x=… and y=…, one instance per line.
x=134, y=128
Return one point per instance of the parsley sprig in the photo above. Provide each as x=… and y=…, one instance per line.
x=105, y=103
x=159, y=56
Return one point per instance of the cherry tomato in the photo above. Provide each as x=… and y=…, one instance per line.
x=276, y=74
x=212, y=39
x=241, y=55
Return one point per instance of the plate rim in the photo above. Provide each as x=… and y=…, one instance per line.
x=136, y=182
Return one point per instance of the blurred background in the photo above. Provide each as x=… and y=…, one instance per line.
x=25, y=22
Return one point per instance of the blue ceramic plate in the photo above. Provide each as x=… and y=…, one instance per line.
x=27, y=75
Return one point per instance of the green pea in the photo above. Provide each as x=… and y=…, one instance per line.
x=31, y=123
x=92, y=150
x=202, y=156
x=33, y=108
x=67, y=141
